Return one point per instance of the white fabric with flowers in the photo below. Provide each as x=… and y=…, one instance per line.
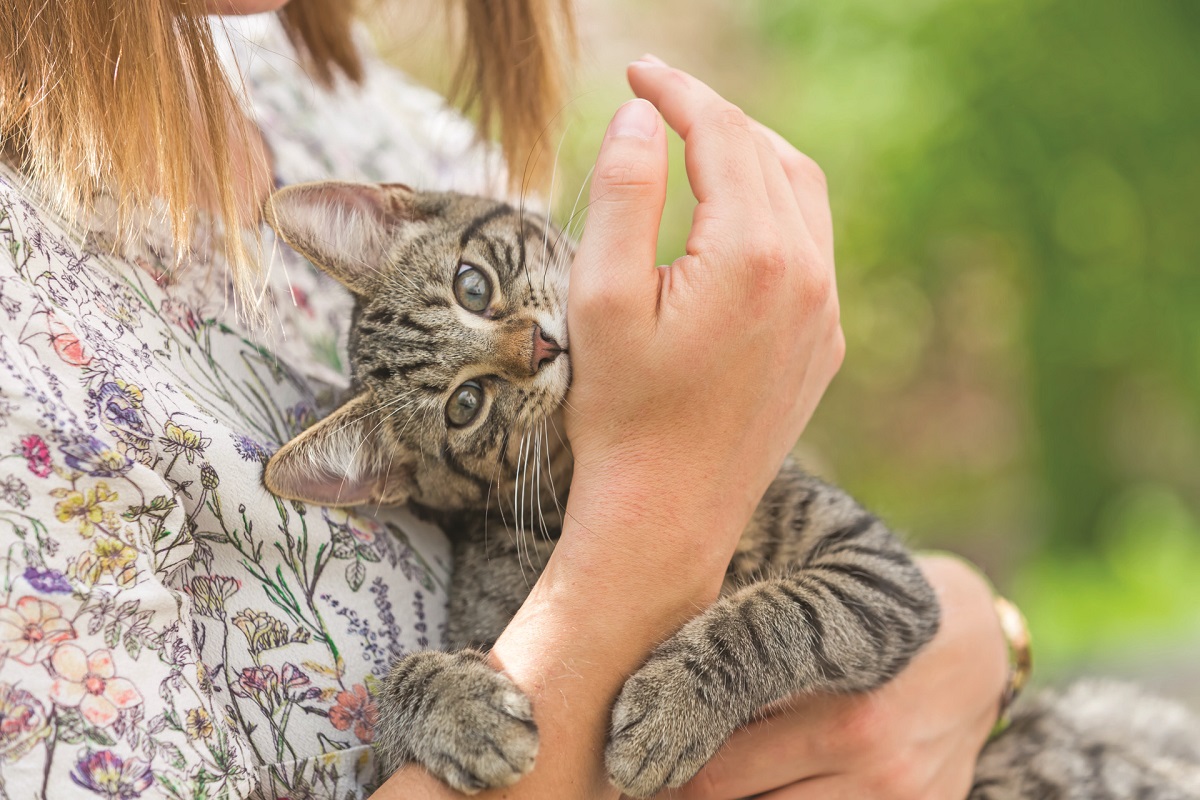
x=167, y=627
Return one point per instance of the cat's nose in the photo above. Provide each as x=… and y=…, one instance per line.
x=545, y=349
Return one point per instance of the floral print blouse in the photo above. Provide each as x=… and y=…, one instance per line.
x=167, y=627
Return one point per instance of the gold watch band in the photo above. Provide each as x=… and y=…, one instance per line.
x=1020, y=658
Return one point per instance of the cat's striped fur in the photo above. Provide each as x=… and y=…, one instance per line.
x=457, y=292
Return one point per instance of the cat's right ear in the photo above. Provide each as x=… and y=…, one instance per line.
x=344, y=460
x=344, y=228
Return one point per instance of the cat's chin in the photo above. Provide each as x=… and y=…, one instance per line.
x=554, y=379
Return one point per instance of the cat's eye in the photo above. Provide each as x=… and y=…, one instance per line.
x=464, y=404
x=472, y=289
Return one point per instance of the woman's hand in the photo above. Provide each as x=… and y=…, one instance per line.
x=691, y=384
x=694, y=380
x=914, y=739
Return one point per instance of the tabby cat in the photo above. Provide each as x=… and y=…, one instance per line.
x=459, y=356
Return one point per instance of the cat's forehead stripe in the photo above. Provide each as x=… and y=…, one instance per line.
x=477, y=224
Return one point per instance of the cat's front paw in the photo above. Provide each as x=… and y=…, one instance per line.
x=662, y=730
x=460, y=719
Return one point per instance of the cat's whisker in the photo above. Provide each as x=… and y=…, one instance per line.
x=548, y=423
x=542, y=434
x=550, y=198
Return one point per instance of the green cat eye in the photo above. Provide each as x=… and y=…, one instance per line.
x=472, y=288
x=464, y=404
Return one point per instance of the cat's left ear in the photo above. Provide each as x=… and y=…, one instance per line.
x=345, y=459
x=344, y=228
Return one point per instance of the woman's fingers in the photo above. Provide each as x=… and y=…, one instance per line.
x=720, y=150
x=614, y=269
x=808, y=185
x=809, y=738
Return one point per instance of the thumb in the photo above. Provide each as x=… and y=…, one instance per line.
x=614, y=270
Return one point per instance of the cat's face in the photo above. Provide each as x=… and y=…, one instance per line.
x=458, y=348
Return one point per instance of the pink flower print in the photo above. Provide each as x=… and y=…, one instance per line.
x=37, y=455
x=89, y=682
x=358, y=709
x=262, y=683
x=67, y=344
x=31, y=629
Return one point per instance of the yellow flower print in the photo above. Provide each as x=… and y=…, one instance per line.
x=263, y=631
x=108, y=557
x=199, y=725
x=183, y=441
x=84, y=508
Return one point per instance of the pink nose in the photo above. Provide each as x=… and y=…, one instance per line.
x=545, y=349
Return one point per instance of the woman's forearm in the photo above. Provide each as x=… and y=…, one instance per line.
x=591, y=619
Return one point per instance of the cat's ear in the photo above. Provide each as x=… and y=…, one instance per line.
x=343, y=460
x=344, y=228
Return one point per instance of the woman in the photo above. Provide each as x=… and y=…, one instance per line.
x=168, y=629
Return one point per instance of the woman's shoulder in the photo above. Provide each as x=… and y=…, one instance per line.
x=388, y=129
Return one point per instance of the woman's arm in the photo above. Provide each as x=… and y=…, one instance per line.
x=692, y=382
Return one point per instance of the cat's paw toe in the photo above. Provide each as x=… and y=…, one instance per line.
x=661, y=733
x=493, y=740
x=470, y=725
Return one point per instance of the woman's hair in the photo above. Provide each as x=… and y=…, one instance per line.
x=129, y=97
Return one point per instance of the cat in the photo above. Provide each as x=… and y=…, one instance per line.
x=460, y=364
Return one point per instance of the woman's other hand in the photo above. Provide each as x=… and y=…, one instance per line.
x=694, y=380
x=915, y=738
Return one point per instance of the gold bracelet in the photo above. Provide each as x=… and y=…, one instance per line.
x=1016, y=638
x=1020, y=658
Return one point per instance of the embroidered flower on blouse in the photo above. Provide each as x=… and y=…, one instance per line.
x=209, y=478
x=119, y=406
x=262, y=631
x=209, y=593
x=32, y=628
x=37, y=455
x=248, y=449
x=85, y=508
x=66, y=344
x=47, y=581
x=107, y=774
x=14, y=491
x=22, y=722
x=89, y=682
x=183, y=441
x=96, y=458
x=108, y=556
x=199, y=724
x=358, y=709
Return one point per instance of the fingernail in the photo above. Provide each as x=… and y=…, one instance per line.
x=649, y=62
x=636, y=119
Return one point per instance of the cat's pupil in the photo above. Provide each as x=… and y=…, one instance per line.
x=464, y=405
x=472, y=289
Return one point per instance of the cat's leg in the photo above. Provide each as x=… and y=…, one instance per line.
x=455, y=715
x=846, y=615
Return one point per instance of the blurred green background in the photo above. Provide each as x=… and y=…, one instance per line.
x=1015, y=186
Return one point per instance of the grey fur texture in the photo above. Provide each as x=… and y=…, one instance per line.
x=820, y=595
x=1097, y=741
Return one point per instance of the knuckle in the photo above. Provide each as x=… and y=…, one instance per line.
x=838, y=348
x=800, y=167
x=730, y=116
x=626, y=176
x=770, y=253
x=818, y=291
